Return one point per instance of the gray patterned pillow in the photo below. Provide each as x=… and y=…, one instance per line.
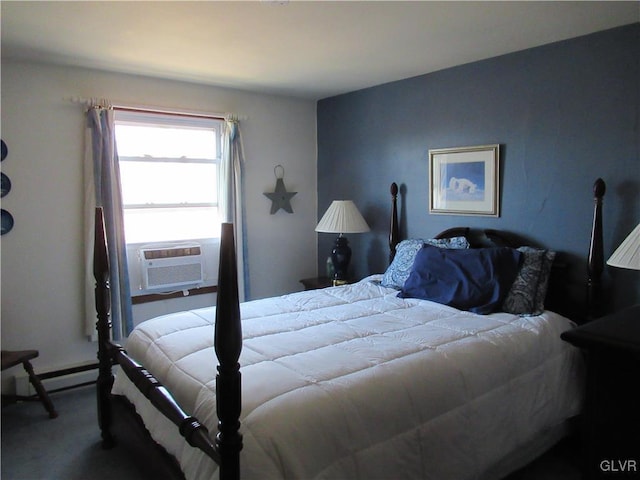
x=529, y=289
x=406, y=252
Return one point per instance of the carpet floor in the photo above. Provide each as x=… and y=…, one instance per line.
x=35, y=447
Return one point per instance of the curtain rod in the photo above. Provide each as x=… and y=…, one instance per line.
x=95, y=101
x=123, y=108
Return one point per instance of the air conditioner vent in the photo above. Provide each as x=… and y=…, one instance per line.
x=150, y=254
x=171, y=267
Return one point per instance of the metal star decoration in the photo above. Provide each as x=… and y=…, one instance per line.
x=280, y=198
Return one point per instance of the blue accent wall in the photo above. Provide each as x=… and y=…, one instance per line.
x=564, y=114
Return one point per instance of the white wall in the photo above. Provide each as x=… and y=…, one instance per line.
x=42, y=270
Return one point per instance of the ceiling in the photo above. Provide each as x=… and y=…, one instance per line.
x=306, y=49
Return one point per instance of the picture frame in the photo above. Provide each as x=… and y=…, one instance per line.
x=465, y=181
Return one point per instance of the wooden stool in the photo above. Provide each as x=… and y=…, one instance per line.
x=13, y=358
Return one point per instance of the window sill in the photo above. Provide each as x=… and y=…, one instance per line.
x=156, y=297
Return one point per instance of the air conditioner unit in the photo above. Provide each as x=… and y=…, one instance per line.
x=164, y=268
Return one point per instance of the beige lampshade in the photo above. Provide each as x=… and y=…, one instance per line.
x=627, y=255
x=342, y=216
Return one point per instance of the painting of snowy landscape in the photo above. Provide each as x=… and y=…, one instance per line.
x=464, y=181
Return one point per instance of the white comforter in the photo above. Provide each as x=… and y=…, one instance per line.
x=352, y=382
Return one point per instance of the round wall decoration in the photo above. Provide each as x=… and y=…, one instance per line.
x=7, y=221
x=5, y=185
x=6, y=217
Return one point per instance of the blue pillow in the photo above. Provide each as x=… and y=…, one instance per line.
x=406, y=251
x=471, y=279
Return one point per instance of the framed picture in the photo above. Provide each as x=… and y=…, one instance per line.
x=465, y=181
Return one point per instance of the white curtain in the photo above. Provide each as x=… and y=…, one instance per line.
x=230, y=190
x=102, y=188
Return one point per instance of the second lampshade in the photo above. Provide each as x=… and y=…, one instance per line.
x=627, y=255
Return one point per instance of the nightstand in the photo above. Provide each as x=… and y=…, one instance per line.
x=316, y=282
x=611, y=427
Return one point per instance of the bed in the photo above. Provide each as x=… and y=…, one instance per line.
x=376, y=379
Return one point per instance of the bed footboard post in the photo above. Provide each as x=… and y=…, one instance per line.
x=228, y=345
x=394, y=234
x=103, y=326
x=596, y=255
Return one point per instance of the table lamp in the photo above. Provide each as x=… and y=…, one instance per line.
x=341, y=217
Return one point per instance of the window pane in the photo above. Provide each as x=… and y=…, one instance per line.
x=148, y=183
x=165, y=142
x=170, y=224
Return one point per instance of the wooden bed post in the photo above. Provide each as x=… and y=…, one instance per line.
x=103, y=326
x=228, y=345
x=394, y=234
x=596, y=255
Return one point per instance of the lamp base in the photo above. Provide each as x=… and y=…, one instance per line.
x=340, y=256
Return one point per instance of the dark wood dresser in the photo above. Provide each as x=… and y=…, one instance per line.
x=611, y=427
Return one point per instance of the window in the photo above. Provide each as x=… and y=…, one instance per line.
x=169, y=168
x=169, y=174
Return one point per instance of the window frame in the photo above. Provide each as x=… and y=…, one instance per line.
x=180, y=120
x=209, y=244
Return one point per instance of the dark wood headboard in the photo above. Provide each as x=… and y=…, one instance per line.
x=559, y=297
